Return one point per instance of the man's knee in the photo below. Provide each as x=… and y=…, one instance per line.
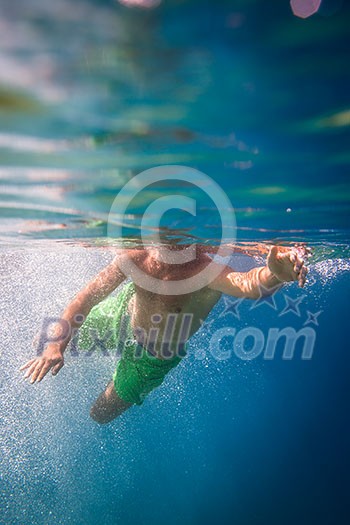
x=100, y=415
x=108, y=406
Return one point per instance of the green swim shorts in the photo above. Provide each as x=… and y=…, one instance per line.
x=107, y=329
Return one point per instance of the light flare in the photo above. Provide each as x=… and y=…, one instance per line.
x=144, y=4
x=305, y=8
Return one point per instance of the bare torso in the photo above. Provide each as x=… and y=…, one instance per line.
x=163, y=322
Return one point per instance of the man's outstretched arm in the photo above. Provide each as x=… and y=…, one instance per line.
x=73, y=316
x=283, y=265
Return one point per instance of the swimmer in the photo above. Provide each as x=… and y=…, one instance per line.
x=156, y=325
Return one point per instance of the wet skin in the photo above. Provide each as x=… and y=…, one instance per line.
x=151, y=309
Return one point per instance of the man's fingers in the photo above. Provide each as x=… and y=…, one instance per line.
x=302, y=276
x=46, y=367
x=301, y=280
x=302, y=247
x=38, y=368
x=273, y=253
x=303, y=272
x=273, y=250
x=23, y=367
x=298, y=264
x=36, y=372
x=57, y=368
x=31, y=369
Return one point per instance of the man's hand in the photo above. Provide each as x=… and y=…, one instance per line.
x=51, y=359
x=287, y=264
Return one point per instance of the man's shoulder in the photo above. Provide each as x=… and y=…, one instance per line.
x=134, y=254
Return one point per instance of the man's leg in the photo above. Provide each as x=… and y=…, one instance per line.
x=108, y=405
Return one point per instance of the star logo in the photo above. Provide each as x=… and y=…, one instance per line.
x=267, y=296
x=204, y=322
x=292, y=305
x=231, y=307
x=312, y=317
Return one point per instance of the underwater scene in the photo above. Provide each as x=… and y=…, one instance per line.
x=220, y=125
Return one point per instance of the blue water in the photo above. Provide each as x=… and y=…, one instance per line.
x=93, y=93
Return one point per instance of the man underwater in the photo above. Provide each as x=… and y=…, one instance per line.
x=157, y=323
